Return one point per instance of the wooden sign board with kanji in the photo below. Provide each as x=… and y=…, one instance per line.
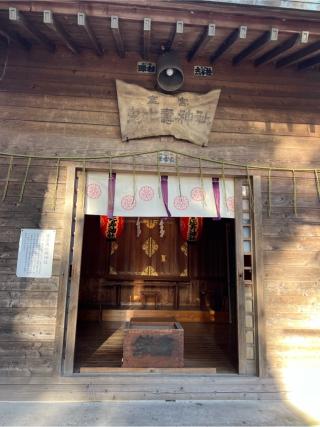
x=145, y=113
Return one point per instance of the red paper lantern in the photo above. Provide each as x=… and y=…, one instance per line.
x=111, y=228
x=191, y=228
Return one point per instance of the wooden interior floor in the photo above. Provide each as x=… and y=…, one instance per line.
x=207, y=345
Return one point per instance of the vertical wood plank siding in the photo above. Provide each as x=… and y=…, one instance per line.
x=67, y=104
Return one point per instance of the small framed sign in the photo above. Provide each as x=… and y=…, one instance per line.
x=202, y=71
x=35, y=256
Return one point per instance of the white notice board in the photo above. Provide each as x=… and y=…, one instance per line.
x=35, y=254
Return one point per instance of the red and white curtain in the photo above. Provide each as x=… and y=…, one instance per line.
x=97, y=186
x=138, y=196
x=226, y=190
x=191, y=196
x=149, y=195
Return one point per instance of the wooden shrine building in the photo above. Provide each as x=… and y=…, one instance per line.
x=159, y=161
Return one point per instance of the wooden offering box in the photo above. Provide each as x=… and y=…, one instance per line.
x=153, y=344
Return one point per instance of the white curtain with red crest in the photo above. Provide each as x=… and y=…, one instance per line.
x=226, y=188
x=138, y=195
x=148, y=195
x=191, y=196
x=97, y=185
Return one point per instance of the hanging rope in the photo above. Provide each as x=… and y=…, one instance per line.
x=201, y=183
x=294, y=182
x=5, y=190
x=317, y=183
x=159, y=178
x=134, y=177
x=110, y=168
x=201, y=173
x=269, y=193
x=224, y=187
x=24, y=180
x=140, y=153
x=56, y=184
x=84, y=185
x=110, y=190
x=247, y=168
x=178, y=176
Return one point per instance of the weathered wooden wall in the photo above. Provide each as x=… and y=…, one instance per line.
x=63, y=104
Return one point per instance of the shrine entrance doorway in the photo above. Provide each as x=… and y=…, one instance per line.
x=213, y=287
x=150, y=271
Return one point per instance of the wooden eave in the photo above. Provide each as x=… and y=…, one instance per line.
x=301, y=5
x=118, y=27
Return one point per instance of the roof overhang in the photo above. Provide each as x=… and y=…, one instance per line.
x=199, y=30
x=306, y=5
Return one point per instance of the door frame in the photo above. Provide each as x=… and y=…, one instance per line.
x=71, y=268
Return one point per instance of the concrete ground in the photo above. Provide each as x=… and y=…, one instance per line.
x=151, y=413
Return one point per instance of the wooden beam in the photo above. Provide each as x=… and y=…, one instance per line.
x=51, y=22
x=276, y=51
x=117, y=36
x=83, y=22
x=146, y=38
x=177, y=37
x=298, y=55
x=308, y=63
x=240, y=32
x=257, y=44
x=166, y=12
x=17, y=17
x=202, y=41
x=15, y=37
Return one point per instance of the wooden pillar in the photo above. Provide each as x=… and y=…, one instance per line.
x=65, y=267
x=259, y=279
x=240, y=278
x=73, y=299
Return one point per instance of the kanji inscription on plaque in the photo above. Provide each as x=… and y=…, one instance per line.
x=145, y=113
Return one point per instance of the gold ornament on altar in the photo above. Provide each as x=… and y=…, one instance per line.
x=149, y=271
x=184, y=248
x=184, y=273
x=150, y=223
x=150, y=247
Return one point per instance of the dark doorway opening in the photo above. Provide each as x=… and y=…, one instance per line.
x=151, y=271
